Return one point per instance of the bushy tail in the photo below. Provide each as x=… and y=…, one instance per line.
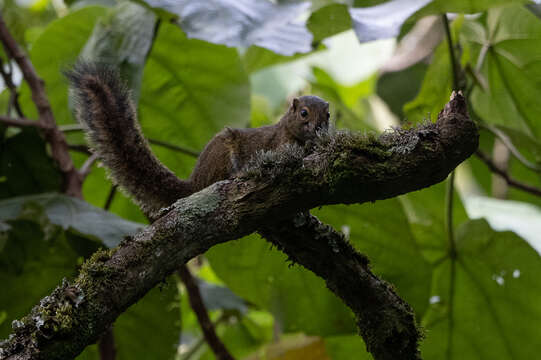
x=104, y=108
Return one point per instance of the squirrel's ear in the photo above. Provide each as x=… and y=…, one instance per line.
x=295, y=104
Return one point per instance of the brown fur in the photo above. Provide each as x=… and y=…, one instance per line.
x=104, y=107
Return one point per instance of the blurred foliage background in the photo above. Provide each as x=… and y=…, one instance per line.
x=196, y=67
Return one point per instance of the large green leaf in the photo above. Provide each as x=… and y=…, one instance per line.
x=511, y=67
x=522, y=218
x=435, y=89
x=426, y=211
x=381, y=231
x=464, y=6
x=329, y=20
x=73, y=214
x=293, y=295
x=399, y=87
x=347, y=105
x=123, y=38
x=35, y=255
x=257, y=58
x=343, y=348
x=149, y=327
x=486, y=302
x=191, y=90
x=57, y=47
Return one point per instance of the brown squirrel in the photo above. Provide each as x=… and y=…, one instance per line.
x=105, y=109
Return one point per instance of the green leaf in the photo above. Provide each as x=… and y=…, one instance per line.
x=59, y=46
x=292, y=294
x=346, y=103
x=535, y=9
x=486, y=302
x=511, y=68
x=426, y=211
x=342, y=347
x=437, y=7
x=34, y=257
x=329, y=20
x=149, y=327
x=399, y=87
x=522, y=218
x=123, y=38
x=25, y=166
x=257, y=58
x=435, y=89
x=382, y=232
x=191, y=90
x=74, y=214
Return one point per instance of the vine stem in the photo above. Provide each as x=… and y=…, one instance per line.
x=454, y=64
x=449, y=202
x=449, y=215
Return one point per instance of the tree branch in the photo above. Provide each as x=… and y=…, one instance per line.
x=343, y=168
x=59, y=146
x=386, y=322
x=18, y=122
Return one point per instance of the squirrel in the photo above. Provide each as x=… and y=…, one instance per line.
x=104, y=107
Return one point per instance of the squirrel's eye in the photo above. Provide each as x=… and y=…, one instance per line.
x=304, y=113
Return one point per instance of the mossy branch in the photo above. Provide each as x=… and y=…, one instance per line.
x=343, y=168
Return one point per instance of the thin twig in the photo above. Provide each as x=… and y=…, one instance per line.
x=87, y=166
x=200, y=310
x=19, y=122
x=59, y=146
x=80, y=148
x=110, y=197
x=174, y=147
x=454, y=64
x=193, y=350
x=70, y=128
x=510, y=181
x=181, y=149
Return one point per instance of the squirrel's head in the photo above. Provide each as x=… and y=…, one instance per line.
x=306, y=116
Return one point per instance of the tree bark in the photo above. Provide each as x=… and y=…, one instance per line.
x=343, y=168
